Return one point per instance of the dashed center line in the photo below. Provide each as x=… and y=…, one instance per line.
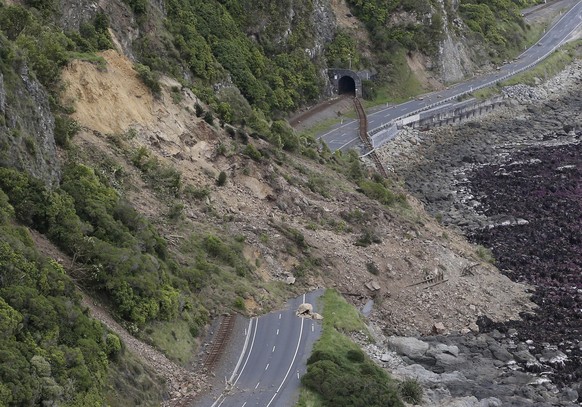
x=257, y=385
x=277, y=331
x=273, y=349
x=266, y=367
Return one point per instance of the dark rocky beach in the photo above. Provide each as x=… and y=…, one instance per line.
x=512, y=182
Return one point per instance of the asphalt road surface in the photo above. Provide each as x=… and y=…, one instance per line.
x=273, y=359
x=345, y=136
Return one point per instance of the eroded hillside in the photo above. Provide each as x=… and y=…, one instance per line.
x=297, y=218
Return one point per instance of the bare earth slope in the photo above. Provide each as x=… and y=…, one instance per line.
x=420, y=274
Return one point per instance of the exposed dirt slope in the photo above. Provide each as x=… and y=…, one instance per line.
x=258, y=200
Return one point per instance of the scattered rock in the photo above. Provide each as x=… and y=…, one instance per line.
x=373, y=285
x=439, y=328
x=411, y=347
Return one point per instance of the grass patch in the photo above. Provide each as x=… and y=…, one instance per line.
x=485, y=254
x=174, y=338
x=309, y=398
x=340, y=316
x=88, y=57
x=548, y=68
x=320, y=127
x=338, y=371
x=401, y=86
x=131, y=383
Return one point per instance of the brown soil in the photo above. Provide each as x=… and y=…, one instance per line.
x=258, y=197
x=256, y=200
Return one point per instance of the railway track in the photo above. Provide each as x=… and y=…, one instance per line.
x=363, y=133
x=220, y=341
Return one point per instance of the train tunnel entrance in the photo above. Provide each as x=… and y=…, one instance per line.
x=346, y=86
x=345, y=81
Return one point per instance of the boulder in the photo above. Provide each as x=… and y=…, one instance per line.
x=305, y=309
x=439, y=328
x=373, y=285
x=411, y=347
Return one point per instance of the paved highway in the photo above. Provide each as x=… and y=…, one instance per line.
x=345, y=136
x=273, y=359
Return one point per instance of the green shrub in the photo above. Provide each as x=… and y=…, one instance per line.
x=411, y=391
x=251, y=152
x=199, y=110
x=209, y=117
x=372, y=268
x=191, y=192
x=239, y=303
x=221, y=180
x=378, y=191
x=355, y=355
x=367, y=238
x=65, y=130
x=149, y=78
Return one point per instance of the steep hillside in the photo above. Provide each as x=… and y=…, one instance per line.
x=292, y=216
x=160, y=169
x=276, y=52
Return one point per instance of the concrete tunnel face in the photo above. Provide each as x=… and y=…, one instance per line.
x=347, y=86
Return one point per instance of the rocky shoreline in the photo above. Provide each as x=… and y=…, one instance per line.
x=511, y=181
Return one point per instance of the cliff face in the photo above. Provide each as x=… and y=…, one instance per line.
x=27, y=125
x=279, y=27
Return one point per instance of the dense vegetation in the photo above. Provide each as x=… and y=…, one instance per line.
x=338, y=371
x=388, y=37
x=51, y=352
x=208, y=39
x=497, y=22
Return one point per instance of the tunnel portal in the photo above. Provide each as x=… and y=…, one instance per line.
x=345, y=81
x=346, y=86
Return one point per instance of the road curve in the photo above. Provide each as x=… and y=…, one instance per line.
x=345, y=136
x=273, y=358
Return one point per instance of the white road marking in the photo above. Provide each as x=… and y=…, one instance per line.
x=277, y=331
x=312, y=328
x=342, y=146
x=243, y=350
x=298, y=375
x=292, y=361
x=279, y=316
x=257, y=385
x=250, y=351
x=244, y=404
x=273, y=349
x=266, y=367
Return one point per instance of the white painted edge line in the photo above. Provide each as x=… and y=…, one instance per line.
x=292, y=361
x=244, y=349
x=248, y=330
x=351, y=141
x=250, y=351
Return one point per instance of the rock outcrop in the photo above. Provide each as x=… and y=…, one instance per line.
x=27, y=139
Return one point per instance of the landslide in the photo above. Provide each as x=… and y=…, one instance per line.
x=298, y=219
